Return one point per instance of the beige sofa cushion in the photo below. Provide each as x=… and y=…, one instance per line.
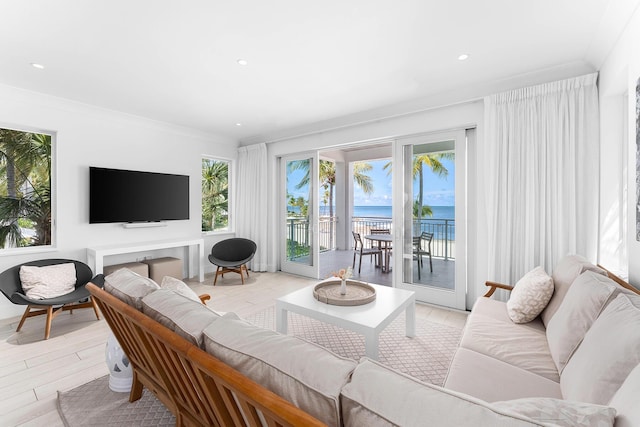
x=609, y=352
x=182, y=315
x=530, y=296
x=179, y=287
x=129, y=287
x=625, y=401
x=492, y=380
x=303, y=373
x=565, y=272
x=380, y=396
x=583, y=303
x=560, y=413
x=490, y=331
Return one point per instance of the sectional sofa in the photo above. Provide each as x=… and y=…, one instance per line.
x=576, y=364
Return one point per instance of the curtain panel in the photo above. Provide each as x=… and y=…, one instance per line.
x=541, y=176
x=251, y=200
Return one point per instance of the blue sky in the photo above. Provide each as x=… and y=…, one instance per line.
x=437, y=191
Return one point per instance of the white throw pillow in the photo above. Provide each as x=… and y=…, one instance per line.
x=49, y=281
x=530, y=296
x=560, y=412
x=179, y=287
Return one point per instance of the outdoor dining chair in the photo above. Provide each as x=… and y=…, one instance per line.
x=360, y=250
x=422, y=246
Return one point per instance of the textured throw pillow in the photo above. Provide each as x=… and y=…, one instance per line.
x=560, y=412
x=129, y=287
x=609, y=351
x=583, y=303
x=179, y=287
x=530, y=296
x=48, y=281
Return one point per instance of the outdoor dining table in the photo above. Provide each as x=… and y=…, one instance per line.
x=386, y=248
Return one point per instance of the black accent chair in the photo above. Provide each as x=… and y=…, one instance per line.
x=11, y=287
x=232, y=256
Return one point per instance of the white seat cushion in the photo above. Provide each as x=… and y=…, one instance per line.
x=625, y=401
x=379, y=396
x=490, y=331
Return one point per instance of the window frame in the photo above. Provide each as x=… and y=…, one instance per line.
x=230, y=194
x=53, y=182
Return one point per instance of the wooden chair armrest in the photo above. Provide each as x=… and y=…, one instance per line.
x=495, y=285
x=204, y=298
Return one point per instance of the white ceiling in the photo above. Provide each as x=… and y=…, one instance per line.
x=311, y=63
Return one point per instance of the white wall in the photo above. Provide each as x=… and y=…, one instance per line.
x=618, y=76
x=458, y=116
x=88, y=136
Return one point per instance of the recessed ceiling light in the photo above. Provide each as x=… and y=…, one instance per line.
x=242, y=62
x=38, y=66
x=238, y=124
x=463, y=57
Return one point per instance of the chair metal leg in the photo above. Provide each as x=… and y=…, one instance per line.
x=430, y=262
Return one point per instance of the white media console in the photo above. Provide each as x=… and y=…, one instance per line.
x=96, y=255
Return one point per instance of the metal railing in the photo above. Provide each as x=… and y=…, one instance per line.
x=298, y=237
x=444, y=232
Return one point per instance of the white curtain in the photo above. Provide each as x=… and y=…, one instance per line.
x=251, y=200
x=541, y=176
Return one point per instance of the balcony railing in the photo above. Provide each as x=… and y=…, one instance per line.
x=444, y=232
x=442, y=245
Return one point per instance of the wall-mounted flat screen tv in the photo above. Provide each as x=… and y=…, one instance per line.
x=117, y=195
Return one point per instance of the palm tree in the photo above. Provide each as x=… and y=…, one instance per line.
x=215, y=194
x=434, y=162
x=25, y=161
x=327, y=178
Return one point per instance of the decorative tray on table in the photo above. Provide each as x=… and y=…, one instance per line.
x=358, y=293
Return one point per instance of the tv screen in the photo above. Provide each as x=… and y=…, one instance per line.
x=117, y=195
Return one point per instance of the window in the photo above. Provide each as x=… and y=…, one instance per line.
x=25, y=189
x=215, y=195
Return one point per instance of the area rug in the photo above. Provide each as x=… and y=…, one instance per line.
x=427, y=356
x=94, y=404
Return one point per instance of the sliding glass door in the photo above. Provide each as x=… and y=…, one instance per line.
x=299, y=214
x=429, y=202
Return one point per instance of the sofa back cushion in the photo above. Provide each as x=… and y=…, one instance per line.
x=625, y=401
x=129, y=287
x=609, y=352
x=567, y=270
x=582, y=304
x=303, y=373
x=380, y=396
x=182, y=315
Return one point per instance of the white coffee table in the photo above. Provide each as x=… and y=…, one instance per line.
x=368, y=319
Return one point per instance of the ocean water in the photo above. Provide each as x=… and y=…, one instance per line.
x=439, y=212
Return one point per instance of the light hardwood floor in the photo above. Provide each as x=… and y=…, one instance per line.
x=32, y=370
